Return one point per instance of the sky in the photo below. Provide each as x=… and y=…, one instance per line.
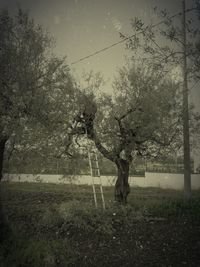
x=82, y=27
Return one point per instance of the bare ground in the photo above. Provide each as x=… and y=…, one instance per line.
x=156, y=229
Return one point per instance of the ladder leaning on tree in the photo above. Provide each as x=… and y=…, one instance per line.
x=95, y=174
x=94, y=170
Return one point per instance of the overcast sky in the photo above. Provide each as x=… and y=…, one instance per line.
x=81, y=27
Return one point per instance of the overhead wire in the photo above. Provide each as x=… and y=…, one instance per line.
x=128, y=37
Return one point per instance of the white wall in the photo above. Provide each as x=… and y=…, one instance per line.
x=162, y=180
x=49, y=178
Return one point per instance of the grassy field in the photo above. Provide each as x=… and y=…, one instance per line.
x=57, y=225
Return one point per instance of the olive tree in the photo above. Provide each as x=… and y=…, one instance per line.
x=172, y=43
x=32, y=80
x=143, y=118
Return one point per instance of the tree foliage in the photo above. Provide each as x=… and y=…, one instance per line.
x=36, y=87
x=143, y=118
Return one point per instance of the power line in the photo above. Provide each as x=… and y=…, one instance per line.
x=128, y=38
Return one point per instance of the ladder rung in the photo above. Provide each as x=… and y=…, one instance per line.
x=93, y=159
x=92, y=152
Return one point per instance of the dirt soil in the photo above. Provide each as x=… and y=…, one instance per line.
x=150, y=243
x=145, y=241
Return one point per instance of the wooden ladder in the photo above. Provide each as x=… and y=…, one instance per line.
x=96, y=177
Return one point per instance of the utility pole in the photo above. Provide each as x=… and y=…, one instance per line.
x=186, y=134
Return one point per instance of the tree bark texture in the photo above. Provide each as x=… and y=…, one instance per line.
x=4, y=228
x=122, y=188
x=2, y=149
x=4, y=225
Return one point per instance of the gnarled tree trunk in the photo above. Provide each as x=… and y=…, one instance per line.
x=4, y=228
x=2, y=149
x=122, y=188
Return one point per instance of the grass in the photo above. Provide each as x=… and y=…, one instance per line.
x=57, y=225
